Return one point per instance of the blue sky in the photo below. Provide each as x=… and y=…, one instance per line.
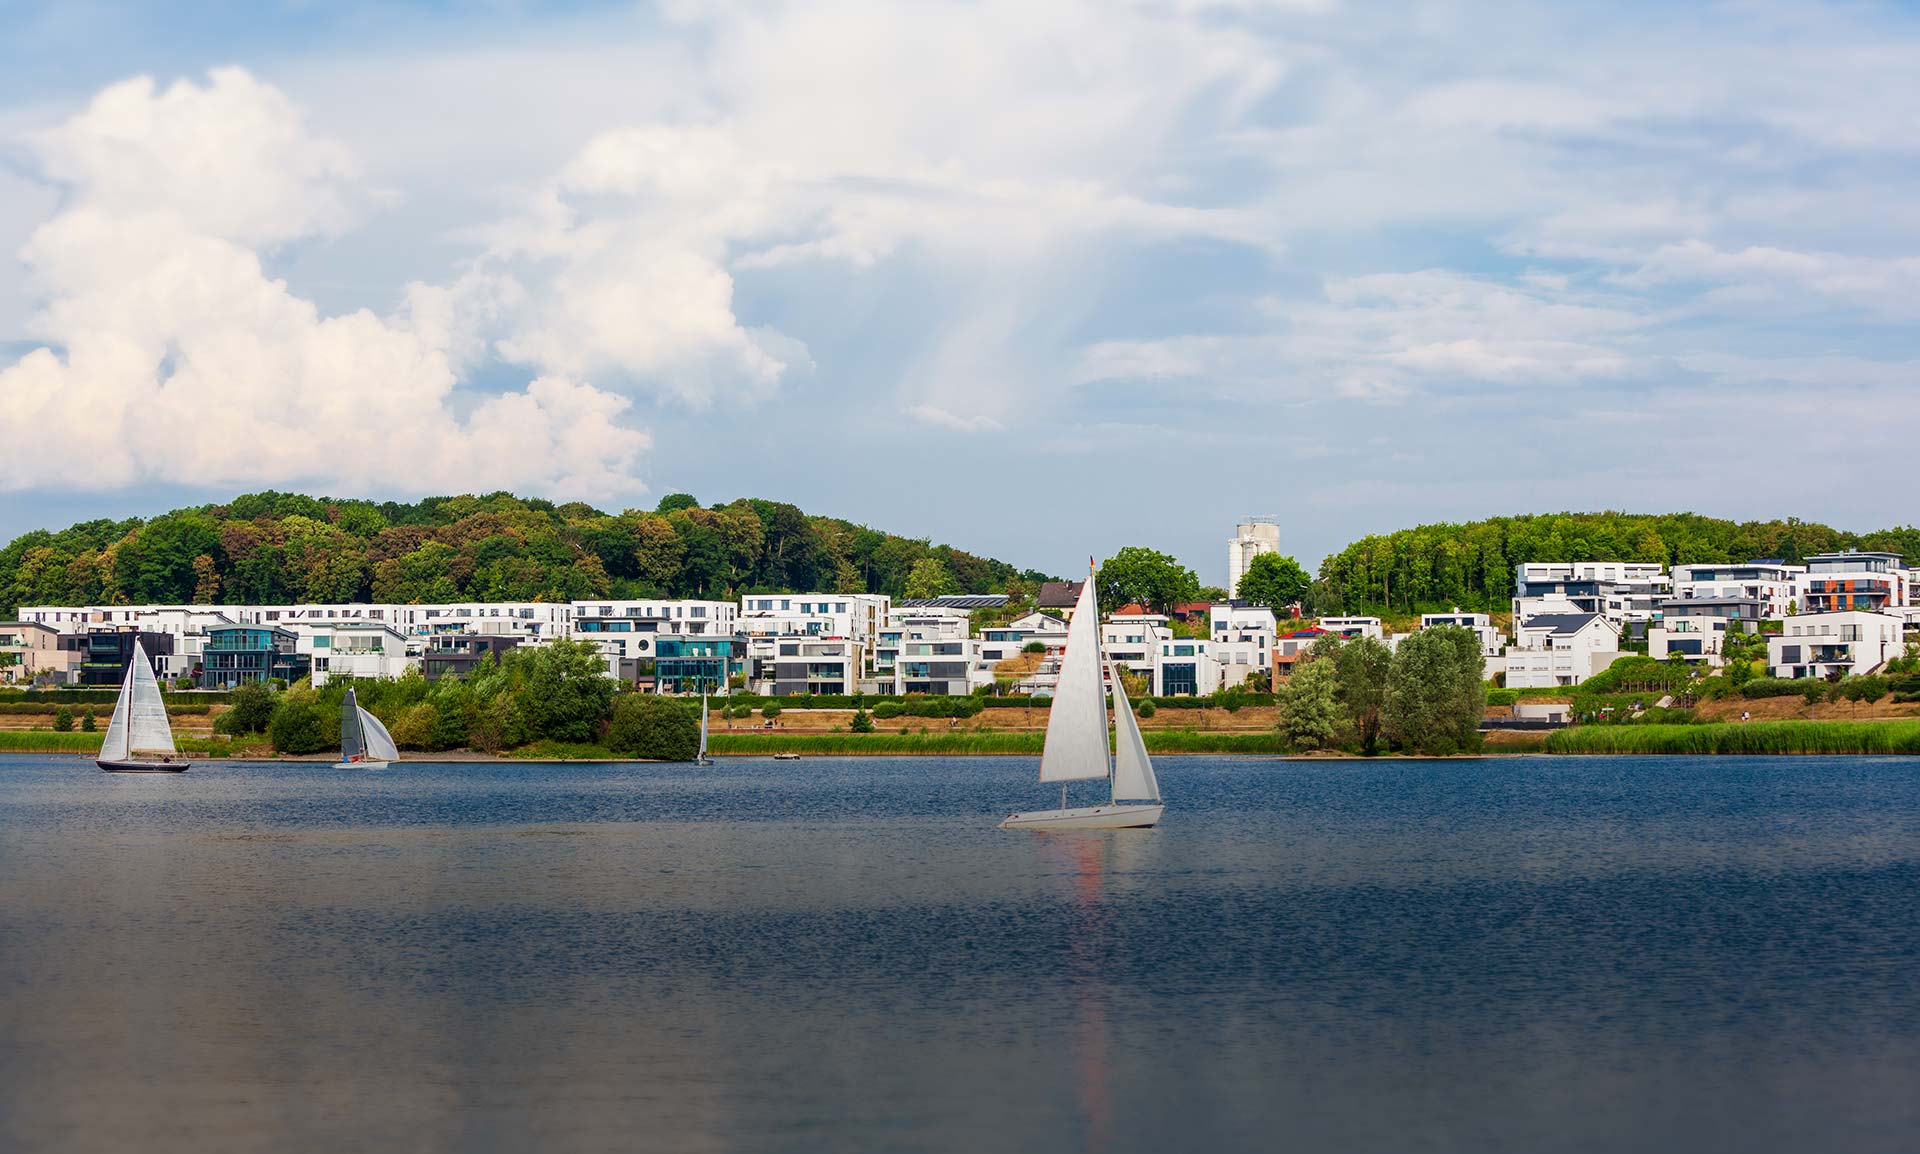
x=1038, y=280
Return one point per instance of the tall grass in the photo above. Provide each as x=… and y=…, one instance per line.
x=1757, y=737
x=47, y=741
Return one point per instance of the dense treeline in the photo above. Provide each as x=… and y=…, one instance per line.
x=264, y=548
x=1433, y=567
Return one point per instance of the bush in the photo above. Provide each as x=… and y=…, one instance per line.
x=1034, y=647
x=1773, y=687
x=300, y=727
x=251, y=710
x=183, y=683
x=861, y=722
x=648, y=726
x=887, y=710
x=769, y=711
x=1146, y=708
x=412, y=727
x=1814, y=690
x=87, y=724
x=63, y=720
x=1502, y=696
x=1865, y=689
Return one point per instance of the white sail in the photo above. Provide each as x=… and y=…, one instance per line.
x=1076, y=746
x=353, y=740
x=703, y=727
x=380, y=746
x=147, y=728
x=114, y=746
x=1133, y=778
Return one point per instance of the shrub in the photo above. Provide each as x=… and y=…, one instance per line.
x=1502, y=696
x=1866, y=689
x=1814, y=690
x=87, y=724
x=412, y=727
x=183, y=683
x=1034, y=647
x=63, y=720
x=300, y=727
x=1773, y=687
x=1146, y=707
x=861, y=722
x=769, y=711
x=251, y=710
x=887, y=710
x=658, y=728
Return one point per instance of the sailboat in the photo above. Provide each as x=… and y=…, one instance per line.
x=701, y=758
x=139, y=740
x=1076, y=745
x=364, y=742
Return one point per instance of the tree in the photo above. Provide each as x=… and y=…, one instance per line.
x=657, y=728
x=299, y=727
x=63, y=720
x=861, y=723
x=1147, y=577
x=674, y=502
x=1310, y=713
x=568, y=691
x=1435, y=692
x=928, y=579
x=1361, y=670
x=1273, y=581
x=250, y=708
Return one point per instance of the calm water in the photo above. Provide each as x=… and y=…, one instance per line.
x=1526, y=955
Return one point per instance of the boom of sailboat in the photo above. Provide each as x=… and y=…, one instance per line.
x=1076, y=742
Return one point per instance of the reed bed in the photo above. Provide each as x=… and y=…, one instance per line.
x=47, y=741
x=1756, y=737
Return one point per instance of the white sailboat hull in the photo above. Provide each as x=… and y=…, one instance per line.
x=364, y=763
x=1088, y=817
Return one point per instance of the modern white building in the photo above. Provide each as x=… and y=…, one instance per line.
x=1352, y=627
x=927, y=651
x=1251, y=537
x=1243, y=640
x=1856, y=582
x=1185, y=667
x=794, y=663
x=369, y=649
x=858, y=617
x=1774, y=584
x=1561, y=649
x=1696, y=628
x=1620, y=591
x=1828, y=645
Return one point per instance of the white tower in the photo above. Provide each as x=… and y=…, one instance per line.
x=1251, y=537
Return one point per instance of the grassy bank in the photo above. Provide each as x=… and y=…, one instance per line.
x=48, y=741
x=1759, y=737
x=956, y=742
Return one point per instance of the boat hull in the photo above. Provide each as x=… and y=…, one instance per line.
x=363, y=764
x=112, y=766
x=1088, y=817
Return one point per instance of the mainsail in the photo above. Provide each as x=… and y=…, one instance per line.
x=1076, y=745
x=1133, y=778
x=353, y=743
x=702, y=755
x=145, y=728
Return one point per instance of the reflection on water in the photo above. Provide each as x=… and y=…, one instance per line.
x=1597, y=954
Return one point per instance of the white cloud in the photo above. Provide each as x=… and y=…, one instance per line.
x=179, y=360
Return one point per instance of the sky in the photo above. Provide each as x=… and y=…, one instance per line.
x=1035, y=279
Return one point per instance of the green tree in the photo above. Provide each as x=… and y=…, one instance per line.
x=658, y=728
x=1274, y=581
x=1310, y=713
x=929, y=579
x=1435, y=692
x=299, y=726
x=1361, y=670
x=250, y=708
x=568, y=691
x=861, y=723
x=87, y=723
x=674, y=502
x=1146, y=577
x=63, y=720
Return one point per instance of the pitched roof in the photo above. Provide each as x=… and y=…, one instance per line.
x=1560, y=622
x=1058, y=594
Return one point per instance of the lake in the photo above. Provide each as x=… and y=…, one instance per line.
x=1538, y=954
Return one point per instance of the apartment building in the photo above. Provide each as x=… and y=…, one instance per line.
x=457, y=655
x=1774, y=584
x=928, y=650
x=1560, y=649
x=358, y=649
x=1696, y=628
x=1620, y=591
x=31, y=649
x=858, y=617
x=1855, y=582
x=233, y=655
x=1833, y=645
x=1352, y=627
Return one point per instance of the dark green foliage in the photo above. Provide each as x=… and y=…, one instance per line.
x=250, y=709
x=1435, y=696
x=1310, y=713
x=861, y=723
x=1773, y=687
x=87, y=724
x=567, y=691
x=770, y=712
x=1145, y=707
x=659, y=728
x=1435, y=567
x=299, y=726
x=1639, y=675
x=264, y=547
x=1273, y=581
x=1361, y=669
x=1865, y=689
x=1034, y=647
x=888, y=710
x=63, y=720
x=1147, y=577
